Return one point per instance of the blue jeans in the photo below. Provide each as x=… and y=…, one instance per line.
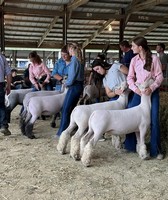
x=155, y=143
x=114, y=98
x=47, y=87
x=71, y=100
x=3, y=116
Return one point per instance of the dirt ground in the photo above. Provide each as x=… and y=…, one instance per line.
x=34, y=170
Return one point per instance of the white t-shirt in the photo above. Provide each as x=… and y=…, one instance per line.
x=114, y=77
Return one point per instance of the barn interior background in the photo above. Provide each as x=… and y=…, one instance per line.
x=45, y=25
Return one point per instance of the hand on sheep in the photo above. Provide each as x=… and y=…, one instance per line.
x=138, y=91
x=147, y=91
x=118, y=91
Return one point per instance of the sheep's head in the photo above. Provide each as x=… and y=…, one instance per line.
x=145, y=84
x=123, y=86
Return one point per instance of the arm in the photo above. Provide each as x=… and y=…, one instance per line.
x=32, y=77
x=156, y=73
x=55, y=72
x=131, y=76
x=47, y=72
x=8, y=87
x=124, y=69
x=111, y=93
x=8, y=75
x=73, y=70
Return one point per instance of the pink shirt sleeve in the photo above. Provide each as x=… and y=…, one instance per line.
x=156, y=73
x=137, y=74
x=37, y=71
x=47, y=72
x=131, y=77
x=31, y=75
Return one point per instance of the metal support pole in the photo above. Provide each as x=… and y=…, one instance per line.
x=121, y=35
x=2, y=41
x=65, y=25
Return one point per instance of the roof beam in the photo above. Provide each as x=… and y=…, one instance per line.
x=32, y=2
x=71, y=6
x=97, y=32
x=76, y=3
x=131, y=5
x=47, y=31
x=30, y=12
x=151, y=28
x=1, y=2
x=145, y=5
x=147, y=18
x=96, y=16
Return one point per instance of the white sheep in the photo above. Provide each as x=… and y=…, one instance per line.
x=118, y=122
x=15, y=98
x=48, y=105
x=26, y=101
x=79, y=118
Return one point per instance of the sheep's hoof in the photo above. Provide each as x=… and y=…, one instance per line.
x=31, y=136
x=60, y=150
x=144, y=156
x=75, y=157
x=43, y=117
x=137, y=148
x=86, y=162
x=53, y=125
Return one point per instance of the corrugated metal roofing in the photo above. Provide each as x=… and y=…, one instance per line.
x=29, y=23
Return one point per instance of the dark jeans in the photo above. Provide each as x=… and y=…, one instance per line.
x=3, y=118
x=47, y=86
x=155, y=144
x=71, y=100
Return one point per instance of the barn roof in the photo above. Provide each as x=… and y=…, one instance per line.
x=41, y=24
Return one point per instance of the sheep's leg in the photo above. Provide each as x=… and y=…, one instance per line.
x=29, y=128
x=138, y=141
x=22, y=125
x=87, y=153
x=24, y=118
x=75, y=144
x=116, y=142
x=142, y=147
x=64, y=138
x=53, y=122
x=84, y=140
x=88, y=149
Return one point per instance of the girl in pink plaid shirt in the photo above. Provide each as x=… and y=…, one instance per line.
x=143, y=66
x=39, y=74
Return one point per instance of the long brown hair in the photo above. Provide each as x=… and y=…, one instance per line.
x=141, y=41
x=35, y=56
x=77, y=49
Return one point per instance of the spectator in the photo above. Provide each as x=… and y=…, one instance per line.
x=74, y=83
x=27, y=82
x=5, y=71
x=61, y=67
x=160, y=48
x=39, y=74
x=143, y=66
x=17, y=80
x=128, y=53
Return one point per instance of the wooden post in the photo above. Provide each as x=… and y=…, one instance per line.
x=121, y=35
x=65, y=25
x=2, y=41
